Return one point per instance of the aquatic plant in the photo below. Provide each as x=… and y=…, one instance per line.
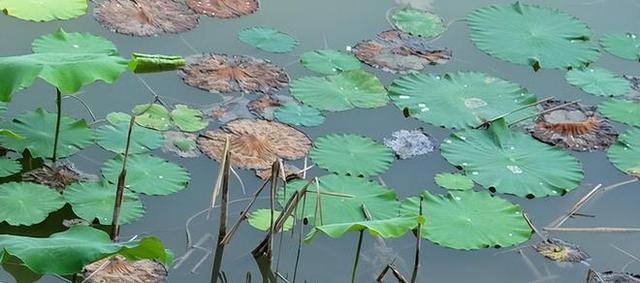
x=113, y=136
x=261, y=219
x=119, y=269
x=265, y=105
x=268, y=39
x=410, y=143
x=230, y=108
x=351, y=154
x=625, y=154
x=452, y=181
x=224, y=9
x=27, y=203
x=182, y=144
x=624, y=111
x=623, y=45
x=559, y=250
x=299, y=115
x=9, y=166
x=94, y=200
x=44, y=11
x=417, y=22
x=328, y=61
x=151, y=63
x=148, y=174
x=598, y=81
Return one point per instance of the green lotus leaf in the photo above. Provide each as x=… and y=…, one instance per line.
x=625, y=111
x=27, y=203
x=512, y=162
x=598, y=81
x=468, y=220
x=73, y=43
x=43, y=11
x=456, y=182
x=118, y=117
x=67, y=252
x=299, y=115
x=623, y=45
x=113, y=137
x=343, y=201
x=151, y=63
x=418, y=22
x=351, y=154
x=344, y=91
x=268, y=39
x=329, y=62
x=188, y=119
x=9, y=167
x=261, y=220
x=38, y=129
x=153, y=116
x=95, y=200
x=532, y=35
x=625, y=154
x=148, y=174
x=459, y=100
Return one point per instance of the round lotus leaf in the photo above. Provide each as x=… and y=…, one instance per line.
x=73, y=42
x=418, y=22
x=27, y=203
x=118, y=117
x=456, y=182
x=268, y=39
x=44, y=11
x=512, y=162
x=624, y=111
x=459, y=100
x=299, y=115
x=329, y=61
x=468, y=220
x=114, y=138
x=9, y=166
x=95, y=200
x=38, y=129
x=598, y=81
x=623, y=45
x=532, y=35
x=188, y=119
x=344, y=91
x=148, y=174
x=351, y=154
x=625, y=154
x=225, y=9
x=153, y=116
x=261, y=220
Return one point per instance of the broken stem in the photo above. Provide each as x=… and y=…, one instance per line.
x=115, y=220
x=224, y=210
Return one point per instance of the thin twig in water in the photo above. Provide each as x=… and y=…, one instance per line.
x=84, y=104
x=486, y=123
x=625, y=252
x=243, y=214
x=416, y=262
x=394, y=271
x=594, y=229
x=544, y=112
x=217, y=186
x=540, y=234
x=244, y=192
x=224, y=210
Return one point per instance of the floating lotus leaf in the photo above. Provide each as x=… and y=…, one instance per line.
x=344, y=91
x=261, y=220
x=598, y=81
x=44, y=11
x=188, y=119
x=417, y=22
x=299, y=115
x=224, y=9
x=118, y=269
x=329, y=61
x=145, y=17
x=625, y=154
x=351, y=154
x=264, y=106
x=575, y=126
x=95, y=200
x=255, y=144
x=290, y=173
x=468, y=220
x=559, y=250
x=409, y=143
x=151, y=63
x=67, y=61
x=223, y=73
x=148, y=174
x=9, y=166
x=398, y=52
x=114, y=138
x=343, y=201
x=118, y=117
x=38, y=129
x=153, y=116
x=182, y=144
x=456, y=182
x=230, y=108
x=532, y=35
x=624, y=111
x=611, y=277
x=27, y=203
x=268, y=39
x=80, y=246
x=512, y=162
x=458, y=100
x=623, y=45
x=56, y=176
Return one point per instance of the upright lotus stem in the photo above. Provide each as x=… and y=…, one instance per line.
x=416, y=263
x=58, y=122
x=367, y=216
x=115, y=221
x=222, y=183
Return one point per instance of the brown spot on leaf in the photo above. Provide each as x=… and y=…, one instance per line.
x=225, y=9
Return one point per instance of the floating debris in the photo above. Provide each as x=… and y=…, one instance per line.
x=56, y=176
x=559, y=250
x=225, y=9
x=611, y=277
x=290, y=172
x=410, y=143
x=266, y=105
x=119, y=269
x=182, y=144
x=230, y=108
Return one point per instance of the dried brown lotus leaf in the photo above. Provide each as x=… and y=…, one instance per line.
x=265, y=106
x=398, y=52
x=118, y=269
x=230, y=108
x=255, y=144
x=220, y=73
x=612, y=277
x=56, y=176
x=290, y=172
x=224, y=9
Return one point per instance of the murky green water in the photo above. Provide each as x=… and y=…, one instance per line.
x=337, y=24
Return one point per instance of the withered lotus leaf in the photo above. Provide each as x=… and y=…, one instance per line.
x=290, y=173
x=231, y=73
x=574, y=126
x=561, y=251
x=119, y=269
x=399, y=52
x=56, y=176
x=225, y=9
x=254, y=143
x=264, y=106
x=146, y=17
x=230, y=108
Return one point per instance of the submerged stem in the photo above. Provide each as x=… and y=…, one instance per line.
x=416, y=262
x=54, y=157
x=357, y=259
x=115, y=221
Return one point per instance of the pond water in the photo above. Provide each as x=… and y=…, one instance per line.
x=337, y=24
